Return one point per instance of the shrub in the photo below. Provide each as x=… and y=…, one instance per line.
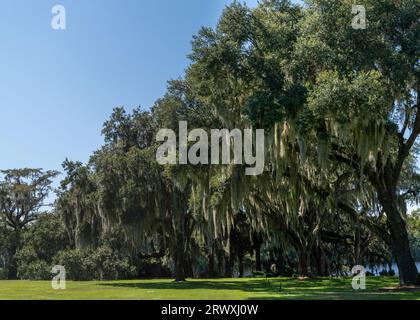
x=41, y=242
x=38, y=270
x=74, y=261
x=287, y=271
x=386, y=273
x=107, y=265
x=3, y=274
x=150, y=267
x=258, y=274
x=26, y=256
x=99, y=264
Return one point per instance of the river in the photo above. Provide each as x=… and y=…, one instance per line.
x=377, y=269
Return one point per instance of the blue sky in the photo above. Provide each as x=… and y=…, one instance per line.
x=58, y=87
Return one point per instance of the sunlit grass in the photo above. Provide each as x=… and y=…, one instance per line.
x=206, y=289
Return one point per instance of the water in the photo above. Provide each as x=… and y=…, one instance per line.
x=377, y=269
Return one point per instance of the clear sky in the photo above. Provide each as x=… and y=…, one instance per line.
x=58, y=87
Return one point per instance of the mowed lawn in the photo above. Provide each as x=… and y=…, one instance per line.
x=220, y=289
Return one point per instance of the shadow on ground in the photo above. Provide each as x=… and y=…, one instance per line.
x=329, y=289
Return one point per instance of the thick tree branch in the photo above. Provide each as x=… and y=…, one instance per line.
x=405, y=147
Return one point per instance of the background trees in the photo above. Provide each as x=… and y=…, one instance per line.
x=22, y=196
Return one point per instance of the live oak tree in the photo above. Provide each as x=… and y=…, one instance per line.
x=22, y=200
x=362, y=99
x=317, y=83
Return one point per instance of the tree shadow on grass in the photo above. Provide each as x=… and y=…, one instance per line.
x=273, y=289
x=337, y=296
x=248, y=286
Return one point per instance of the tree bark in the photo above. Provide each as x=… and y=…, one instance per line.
x=257, y=253
x=320, y=261
x=228, y=266
x=212, y=272
x=12, y=272
x=241, y=264
x=14, y=246
x=220, y=261
x=399, y=245
x=180, y=232
x=401, y=249
x=257, y=242
x=303, y=264
x=179, y=264
x=357, y=244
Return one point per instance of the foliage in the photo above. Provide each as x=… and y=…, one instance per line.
x=99, y=264
x=74, y=261
x=3, y=274
x=413, y=223
x=22, y=198
x=107, y=265
x=36, y=270
x=22, y=195
x=41, y=242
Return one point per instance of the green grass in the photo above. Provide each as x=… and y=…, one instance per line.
x=220, y=289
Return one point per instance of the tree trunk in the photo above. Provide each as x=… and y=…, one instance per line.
x=220, y=262
x=320, y=261
x=257, y=241
x=212, y=271
x=179, y=264
x=228, y=257
x=180, y=224
x=357, y=240
x=257, y=253
x=401, y=250
x=14, y=246
x=188, y=268
x=12, y=272
x=228, y=266
x=241, y=264
x=399, y=245
x=303, y=264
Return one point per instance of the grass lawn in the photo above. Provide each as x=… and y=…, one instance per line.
x=220, y=289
